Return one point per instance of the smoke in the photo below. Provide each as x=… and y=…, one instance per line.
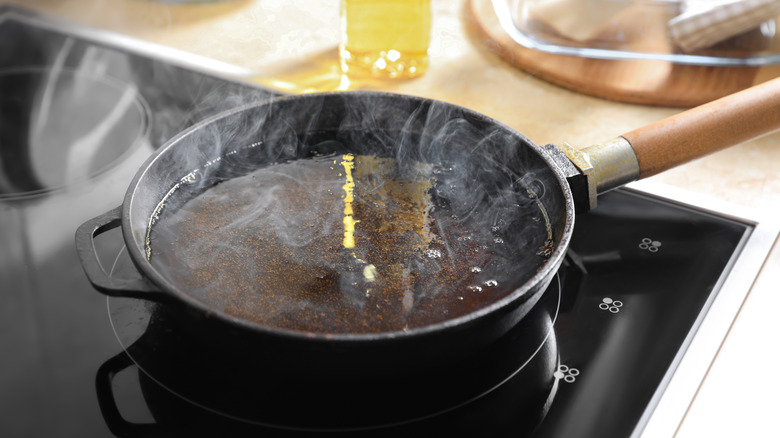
x=449, y=211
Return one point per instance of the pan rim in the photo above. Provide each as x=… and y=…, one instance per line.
x=538, y=281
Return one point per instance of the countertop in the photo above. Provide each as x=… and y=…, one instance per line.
x=292, y=46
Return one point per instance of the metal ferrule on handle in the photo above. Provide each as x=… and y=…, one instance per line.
x=606, y=166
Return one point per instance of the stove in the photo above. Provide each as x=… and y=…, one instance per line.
x=627, y=330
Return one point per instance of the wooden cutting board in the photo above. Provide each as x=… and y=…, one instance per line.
x=643, y=81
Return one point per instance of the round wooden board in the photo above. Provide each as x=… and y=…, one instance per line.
x=643, y=82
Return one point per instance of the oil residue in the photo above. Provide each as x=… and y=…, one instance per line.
x=335, y=244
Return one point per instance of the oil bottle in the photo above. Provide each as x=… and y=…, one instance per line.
x=385, y=39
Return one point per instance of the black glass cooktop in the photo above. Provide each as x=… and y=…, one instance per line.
x=638, y=282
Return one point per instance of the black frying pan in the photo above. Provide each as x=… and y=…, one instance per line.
x=490, y=187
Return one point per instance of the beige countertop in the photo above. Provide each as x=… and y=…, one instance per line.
x=292, y=45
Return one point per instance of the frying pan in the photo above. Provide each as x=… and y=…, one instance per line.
x=490, y=177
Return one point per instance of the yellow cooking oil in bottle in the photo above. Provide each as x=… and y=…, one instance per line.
x=385, y=39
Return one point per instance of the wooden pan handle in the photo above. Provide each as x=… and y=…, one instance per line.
x=708, y=128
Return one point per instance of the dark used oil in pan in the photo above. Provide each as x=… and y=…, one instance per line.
x=349, y=244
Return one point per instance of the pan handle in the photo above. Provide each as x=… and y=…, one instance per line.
x=728, y=121
x=104, y=283
x=676, y=140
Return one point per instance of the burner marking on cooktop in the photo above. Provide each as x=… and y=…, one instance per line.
x=650, y=244
x=569, y=375
x=610, y=305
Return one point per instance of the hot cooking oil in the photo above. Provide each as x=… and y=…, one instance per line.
x=385, y=38
x=344, y=243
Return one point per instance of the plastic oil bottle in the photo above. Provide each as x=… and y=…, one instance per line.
x=385, y=39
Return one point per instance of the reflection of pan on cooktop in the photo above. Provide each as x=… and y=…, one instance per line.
x=197, y=385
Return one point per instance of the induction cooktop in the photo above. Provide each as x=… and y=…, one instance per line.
x=652, y=282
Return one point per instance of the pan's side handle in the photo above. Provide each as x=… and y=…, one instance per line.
x=708, y=128
x=104, y=283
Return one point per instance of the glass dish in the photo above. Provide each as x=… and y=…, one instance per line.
x=625, y=30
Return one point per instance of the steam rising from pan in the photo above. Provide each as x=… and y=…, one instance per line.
x=449, y=206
